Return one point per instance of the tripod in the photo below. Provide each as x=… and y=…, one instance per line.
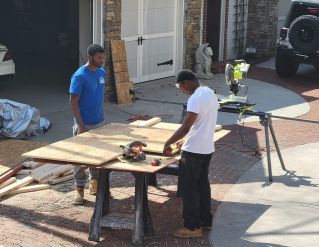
x=266, y=121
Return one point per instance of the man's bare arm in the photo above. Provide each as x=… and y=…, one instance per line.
x=74, y=99
x=182, y=131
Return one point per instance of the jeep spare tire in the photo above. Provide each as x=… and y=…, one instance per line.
x=304, y=34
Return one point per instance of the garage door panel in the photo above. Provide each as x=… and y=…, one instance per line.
x=129, y=24
x=156, y=4
x=158, y=20
x=152, y=57
x=132, y=56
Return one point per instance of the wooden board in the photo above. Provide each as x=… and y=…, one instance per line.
x=30, y=188
x=11, y=150
x=146, y=123
x=121, y=77
x=118, y=50
x=122, y=92
x=101, y=145
x=171, y=126
x=120, y=66
x=7, y=182
x=16, y=185
x=141, y=166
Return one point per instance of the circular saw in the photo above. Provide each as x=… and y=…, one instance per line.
x=133, y=151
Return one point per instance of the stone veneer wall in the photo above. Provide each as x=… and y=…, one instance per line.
x=112, y=31
x=262, y=27
x=192, y=28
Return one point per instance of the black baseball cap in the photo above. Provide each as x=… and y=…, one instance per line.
x=185, y=75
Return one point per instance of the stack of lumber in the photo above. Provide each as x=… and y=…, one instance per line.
x=35, y=176
x=18, y=175
x=122, y=81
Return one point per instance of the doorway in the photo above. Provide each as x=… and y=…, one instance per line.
x=213, y=26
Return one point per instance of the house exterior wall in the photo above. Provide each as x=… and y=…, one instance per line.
x=112, y=31
x=262, y=27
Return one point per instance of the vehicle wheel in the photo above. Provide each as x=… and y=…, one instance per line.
x=285, y=65
x=304, y=34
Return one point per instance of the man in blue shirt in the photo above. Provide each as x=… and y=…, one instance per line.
x=86, y=102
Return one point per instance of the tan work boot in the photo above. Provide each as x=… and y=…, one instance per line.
x=93, y=187
x=79, y=196
x=187, y=233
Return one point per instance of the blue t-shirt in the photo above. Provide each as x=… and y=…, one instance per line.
x=89, y=85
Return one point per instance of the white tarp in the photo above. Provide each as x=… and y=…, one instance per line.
x=19, y=121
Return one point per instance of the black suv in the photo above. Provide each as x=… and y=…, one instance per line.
x=299, y=38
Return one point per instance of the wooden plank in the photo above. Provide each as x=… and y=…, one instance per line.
x=31, y=164
x=118, y=50
x=43, y=170
x=11, y=150
x=7, y=182
x=16, y=185
x=53, y=173
x=61, y=179
x=121, y=77
x=170, y=126
x=10, y=173
x=122, y=92
x=24, y=172
x=30, y=188
x=141, y=166
x=120, y=66
x=146, y=123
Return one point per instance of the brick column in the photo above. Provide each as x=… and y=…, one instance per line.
x=112, y=31
x=262, y=27
x=192, y=31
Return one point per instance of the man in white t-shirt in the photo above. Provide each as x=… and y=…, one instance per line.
x=198, y=128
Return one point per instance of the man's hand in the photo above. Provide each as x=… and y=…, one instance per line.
x=167, y=150
x=179, y=144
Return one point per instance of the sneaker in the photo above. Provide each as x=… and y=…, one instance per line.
x=187, y=233
x=79, y=196
x=93, y=187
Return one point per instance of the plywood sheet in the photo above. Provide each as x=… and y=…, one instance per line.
x=121, y=77
x=11, y=150
x=141, y=166
x=118, y=50
x=103, y=144
x=122, y=92
x=120, y=66
x=122, y=134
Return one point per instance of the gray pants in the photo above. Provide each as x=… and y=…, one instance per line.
x=78, y=171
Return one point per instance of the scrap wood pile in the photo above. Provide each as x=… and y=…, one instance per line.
x=35, y=176
x=19, y=176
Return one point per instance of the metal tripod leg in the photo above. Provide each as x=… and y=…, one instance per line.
x=265, y=122
x=276, y=144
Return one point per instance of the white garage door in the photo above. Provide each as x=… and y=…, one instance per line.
x=149, y=29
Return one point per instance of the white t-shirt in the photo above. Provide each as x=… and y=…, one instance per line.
x=200, y=138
